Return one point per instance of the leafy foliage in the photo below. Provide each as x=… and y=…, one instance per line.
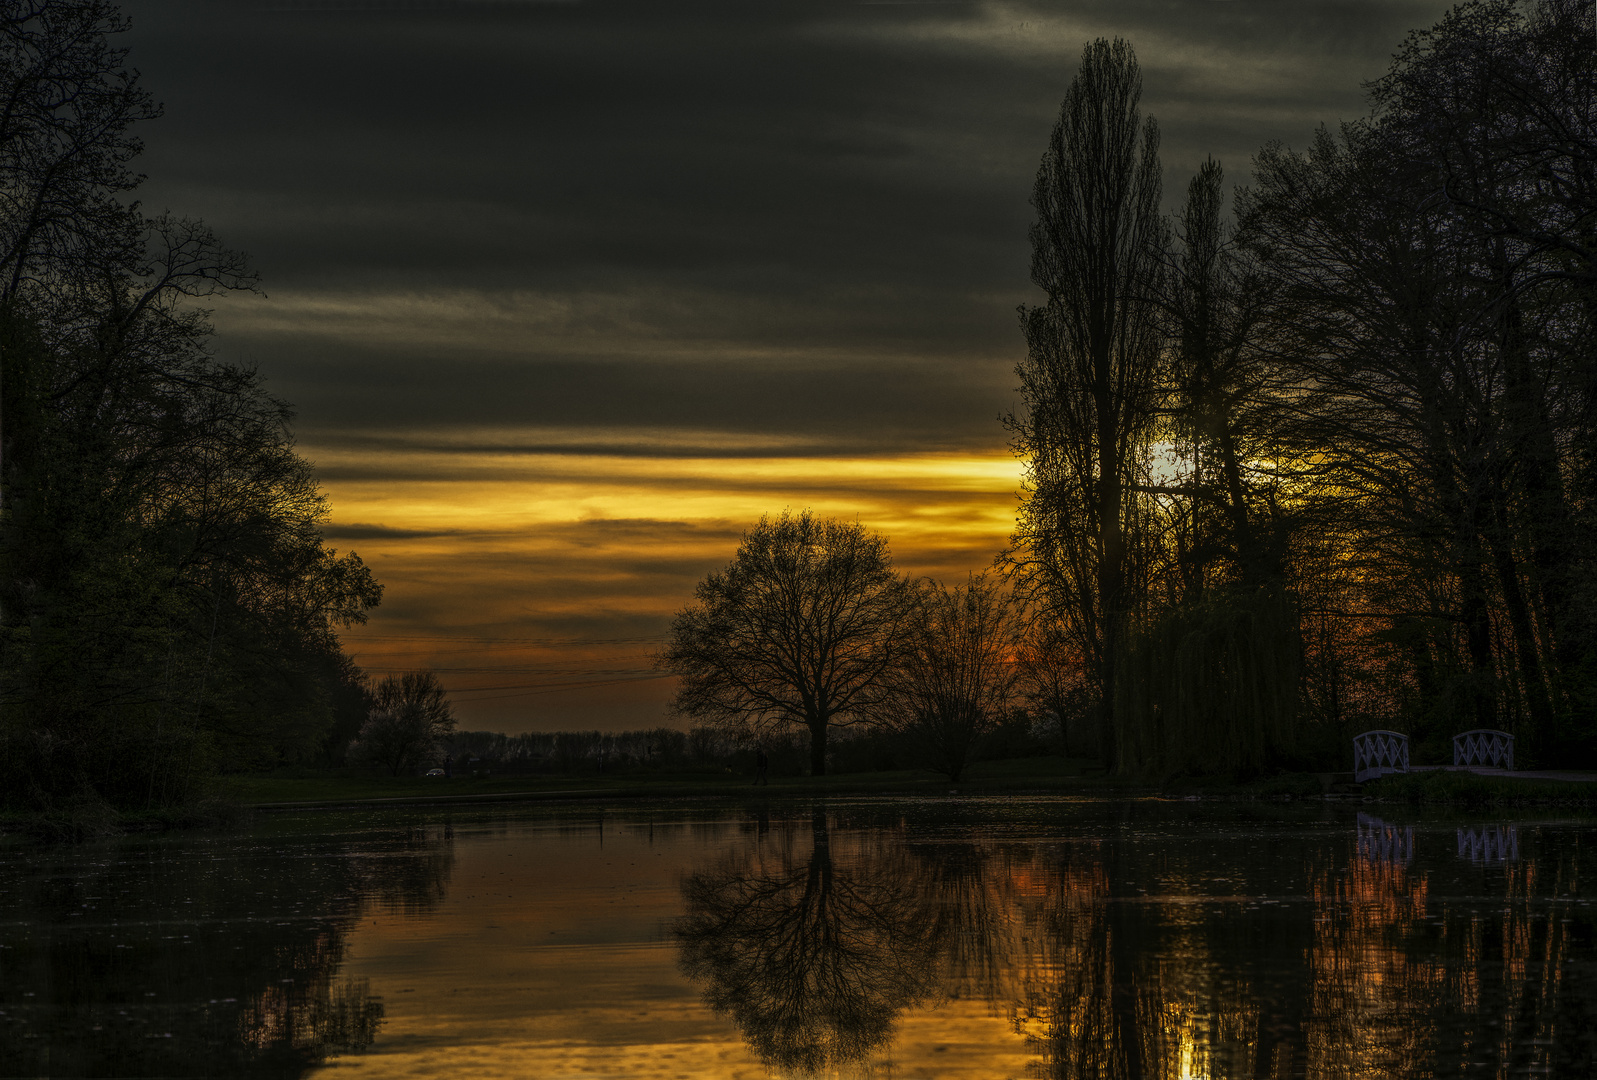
x=410, y=719
x=167, y=605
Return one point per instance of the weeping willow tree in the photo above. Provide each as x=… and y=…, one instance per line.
x=1211, y=687
x=1209, y=677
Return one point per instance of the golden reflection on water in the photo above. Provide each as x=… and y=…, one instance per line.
x=823, y=944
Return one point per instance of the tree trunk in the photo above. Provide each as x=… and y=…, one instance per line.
x=817, y=747
x=1111, y=558
x=1478, y=630
x=1536, y=462
x=1525, y=647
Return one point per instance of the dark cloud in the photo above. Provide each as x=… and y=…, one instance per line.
x=834, y=180
x=846, y=409
x=676, y=230
x=358, y=531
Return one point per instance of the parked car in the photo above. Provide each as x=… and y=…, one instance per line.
x=435, y=772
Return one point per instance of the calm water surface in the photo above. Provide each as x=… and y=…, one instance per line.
x=929, y=938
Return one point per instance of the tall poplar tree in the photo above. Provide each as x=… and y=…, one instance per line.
x=1089, y=379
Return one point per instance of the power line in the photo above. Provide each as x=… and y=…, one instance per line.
x=357, y=638
x=560, y=689
x=567, y=668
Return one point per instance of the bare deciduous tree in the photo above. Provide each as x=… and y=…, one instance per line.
x=957, y=675
x=410, y=717
x=798, y=630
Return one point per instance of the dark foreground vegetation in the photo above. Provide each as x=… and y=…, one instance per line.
x=167, y=605
x=1328, y=461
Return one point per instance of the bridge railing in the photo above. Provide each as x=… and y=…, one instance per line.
x=1483, y=746
x=1376, y=753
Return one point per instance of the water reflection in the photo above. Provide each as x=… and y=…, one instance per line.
x=1367, y=950
x=813, y=952
x=1488, y=843
x=931, y=938
x=198, y=958
x=1383, y=843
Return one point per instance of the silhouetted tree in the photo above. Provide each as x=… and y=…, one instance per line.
x=956, y=675
x=1209, y=681
x=1093, y=356
x=1394, y=316
x=409, y=721
x=798, y=630
x=165, y=596
x=1493, y=113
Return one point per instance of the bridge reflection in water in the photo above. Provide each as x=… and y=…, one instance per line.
x=947, y=938
x=1488, y=843
x=1241, y=952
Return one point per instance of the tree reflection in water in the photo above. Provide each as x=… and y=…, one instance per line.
x=1408, y=985
x=813, y=954
x=1360, y=971
x=157, y=960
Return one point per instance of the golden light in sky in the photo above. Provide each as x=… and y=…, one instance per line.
x=539, y=584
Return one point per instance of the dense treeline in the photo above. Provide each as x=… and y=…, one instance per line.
x=166, y=601
x=709, y=750
x=663, y=748
x=1325, y=463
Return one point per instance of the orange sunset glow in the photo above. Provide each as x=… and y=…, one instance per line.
x=539, y=585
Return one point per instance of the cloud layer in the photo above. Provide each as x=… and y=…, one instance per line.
x=567, y=295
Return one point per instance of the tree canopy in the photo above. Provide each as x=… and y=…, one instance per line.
x=957, y=674
x=1338, y=471
x=410, y=719
x=167, y=604
x=798, y=630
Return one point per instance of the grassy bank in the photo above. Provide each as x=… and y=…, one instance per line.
x=1044, y=773
x=1472, y=789
x=236, y=798
x=1054, y=775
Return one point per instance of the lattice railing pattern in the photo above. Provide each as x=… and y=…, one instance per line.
x=1376, y=753
x=1484, y=746
x=1489, y=843
x=1380, y=842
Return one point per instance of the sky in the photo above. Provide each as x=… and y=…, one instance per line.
x=567, y=295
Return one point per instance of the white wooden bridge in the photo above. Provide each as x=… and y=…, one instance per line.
x=1483, y=751
x=1378, y=753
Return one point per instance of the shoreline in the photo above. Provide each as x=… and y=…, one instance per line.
x=237, y=799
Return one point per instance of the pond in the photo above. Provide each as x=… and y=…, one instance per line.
x=958, y=937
